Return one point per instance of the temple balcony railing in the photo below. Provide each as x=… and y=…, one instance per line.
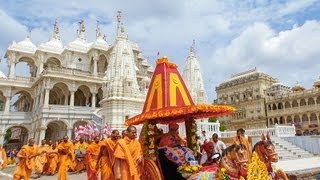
x=296, y=110
x=15, y=118
x=17, y=81
x=69, y=71
x=277, y=131
x=67, y=112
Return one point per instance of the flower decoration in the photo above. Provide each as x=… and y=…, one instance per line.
x=257, y=170
x=188, y=169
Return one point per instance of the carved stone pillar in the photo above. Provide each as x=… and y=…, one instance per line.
x=93, y=100
x=40, y=68
x=72, y=98
x=66, y=99
x=69, y=133
x=41, y=98
x=7, y=105
x=95, y=67
x=2, y=138
x=12, y=69
x=46, y=97
x=42, y=133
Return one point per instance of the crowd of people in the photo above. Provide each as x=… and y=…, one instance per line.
x=116, y=157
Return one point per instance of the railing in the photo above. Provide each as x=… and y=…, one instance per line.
x=67, y=112
x=278, y=131
x=15, y=117
x=70, y=71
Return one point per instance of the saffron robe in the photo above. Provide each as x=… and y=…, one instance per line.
x=106, y=161
x=128, y=151
x=41, y=160
x=92, y=154
x=3, y=158
x=26, y=164
x=66, y=159
x=80, y=152
x=52, y=161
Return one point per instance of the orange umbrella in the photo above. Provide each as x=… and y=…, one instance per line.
x=169, y=101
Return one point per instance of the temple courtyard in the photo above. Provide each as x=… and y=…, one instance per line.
x=305, y=168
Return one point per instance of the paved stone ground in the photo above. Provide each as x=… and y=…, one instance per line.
x=297, y=166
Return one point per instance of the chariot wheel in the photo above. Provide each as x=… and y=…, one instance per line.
x=150, y=171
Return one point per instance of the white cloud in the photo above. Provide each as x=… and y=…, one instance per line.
x=232, y=35
x=288, y=55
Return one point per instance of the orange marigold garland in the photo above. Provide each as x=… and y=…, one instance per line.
x=191, y=134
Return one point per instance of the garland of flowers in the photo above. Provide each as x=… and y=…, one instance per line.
x=257, y=170
x=191, y=134
x=149, y=137
x=152, y=138
x=145, y=139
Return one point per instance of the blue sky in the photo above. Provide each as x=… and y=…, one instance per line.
x=280, y=38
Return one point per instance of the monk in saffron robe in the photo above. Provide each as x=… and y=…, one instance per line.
x=41, y=160
x=26, y=156
x=92, y=154
x=66, y=157
x=52, y=161
x=241, y=139
x=80, y=151
x=3, y=158
x=106, y=156
x=128, y=157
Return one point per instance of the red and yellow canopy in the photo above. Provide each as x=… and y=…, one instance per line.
x=169, y=101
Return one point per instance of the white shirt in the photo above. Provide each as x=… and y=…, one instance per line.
x=219, y=146
x=203, y=138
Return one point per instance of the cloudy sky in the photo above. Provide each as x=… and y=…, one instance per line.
x=281, y=38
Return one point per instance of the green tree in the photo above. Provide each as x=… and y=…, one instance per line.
x=222, y=125
x=212, y=120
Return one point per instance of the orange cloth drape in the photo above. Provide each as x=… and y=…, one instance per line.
x=92, y=154
x=41, y=160
x=107, y=159
x=4, y=158
x=66, y=158
x=52, y=161
x=25, y=166
x=128, y=151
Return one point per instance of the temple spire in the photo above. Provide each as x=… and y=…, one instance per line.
x=98, y=32
x=81, y=31
x=118, y=20
x=193, y=77
x=56, y=34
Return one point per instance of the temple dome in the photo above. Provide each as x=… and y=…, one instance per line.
x=297, y=87
x=26, y=46
x=316, y=84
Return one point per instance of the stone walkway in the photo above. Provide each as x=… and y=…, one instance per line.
x=289, y=166
x=299, y=164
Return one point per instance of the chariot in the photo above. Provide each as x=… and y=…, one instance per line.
x=168, y=101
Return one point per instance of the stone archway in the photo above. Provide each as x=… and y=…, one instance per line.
x=28, y=64
x=82, y=96
x=21, y=102
x=15, y=137
x=59, y=94
x=56, y=130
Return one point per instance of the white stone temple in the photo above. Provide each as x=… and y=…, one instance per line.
x=193, y=78
x=71, y=84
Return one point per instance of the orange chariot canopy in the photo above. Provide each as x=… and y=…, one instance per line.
x=169, y=101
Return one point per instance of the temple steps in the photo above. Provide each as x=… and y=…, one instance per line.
x=288, y=151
